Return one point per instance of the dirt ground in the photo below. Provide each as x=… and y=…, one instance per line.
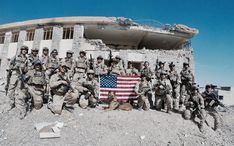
x=114, y=128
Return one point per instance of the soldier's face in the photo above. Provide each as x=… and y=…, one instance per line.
x=161, y=65
x=37, y=67
x=24, y=52
x=90, y=76
x=99, y=60
x=82, y=54
x=34, y=53
x=69, y=55
x=163, y=76
x=45, y=52
x=209, y=90
x=63, y=69
x=54, y=54
x=146, y=64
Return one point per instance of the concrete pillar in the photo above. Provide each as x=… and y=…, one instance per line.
x=38, y=36
x=57, y=37
x=78, y=37
x=4, y=54
x=21, y=39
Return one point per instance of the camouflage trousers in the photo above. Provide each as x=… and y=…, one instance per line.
x=163, y=99
x=68, y=100
x=217, y=120
x=176, y=97
x=37, y=96
x=143, y=102
x=184, y=92
x=190, y=114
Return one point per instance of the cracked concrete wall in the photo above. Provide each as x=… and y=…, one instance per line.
x=57, y=37
x=21, y=39
x=78, y=39
x=4, y=53
x=38, y=37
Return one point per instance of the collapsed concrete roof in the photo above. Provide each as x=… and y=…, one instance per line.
x=117, y=31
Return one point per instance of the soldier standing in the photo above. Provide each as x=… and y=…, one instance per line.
x=53, y=63
x=115, y=69
x=159, y=70
x=70, y=63
x=33, y=56
x=45, y=58
x=163, y=91
x=211, y=102
x=142, y=89
x=175, y=83
x=36, y=84
x=187, y=80
x=195, y=107
x=81, y=66
x=146, y=71
x=131, y=70
x=17, y=92
x=120, y=64
x=63, y=95
x=90, y=88
x=100, y=68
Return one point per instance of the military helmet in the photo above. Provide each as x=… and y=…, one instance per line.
x=163, y=73
x=90, y=72
x=64, y=64
x=54, y=51
x=114, y=60
x=34, y=50
x=99, y=57
x=37, y=62
x=160, y=62
x=82, y=51
x=184, y=64
x=117, y=57
x=171, y=65
x=208, y=86
x=194, y=87
x=45, y=48
x=24, y=48
x=70, y=52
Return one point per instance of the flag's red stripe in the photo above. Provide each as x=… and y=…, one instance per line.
x=129, y=76
x=103, y=90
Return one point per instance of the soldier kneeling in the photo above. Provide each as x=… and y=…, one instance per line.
x=163, y=93
x=142, y=89
x=88, y=90
x=194, y=104
x=63, y=95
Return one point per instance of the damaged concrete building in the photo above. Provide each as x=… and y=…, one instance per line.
x=97, y=35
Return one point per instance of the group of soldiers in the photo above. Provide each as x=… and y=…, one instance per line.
x=61, y=83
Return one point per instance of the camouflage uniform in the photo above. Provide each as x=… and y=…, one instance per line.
x=146, y=71
x=45, y=59
x=36, y=85
x=62, y=93
x=53, y=64
x=163, y=91
x=175, y=83
x=100, y=68
x=194, y=104
x=80, y=68
x=160, y=70
x=32, y=58
x=17, y=92
x=70, y=62
x=116, y=69
x=187, y=80
x=131, y=70
x=211, y=102
x=89, y=88
x=142, y=89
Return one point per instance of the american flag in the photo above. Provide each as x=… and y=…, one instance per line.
x=122, y=85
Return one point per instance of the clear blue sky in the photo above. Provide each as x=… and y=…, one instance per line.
x=213, y=47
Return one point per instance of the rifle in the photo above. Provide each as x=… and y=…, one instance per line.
x=91, y=62
x=110, y=59
x=89, y=87
x=156, y=67
x=68, y=83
